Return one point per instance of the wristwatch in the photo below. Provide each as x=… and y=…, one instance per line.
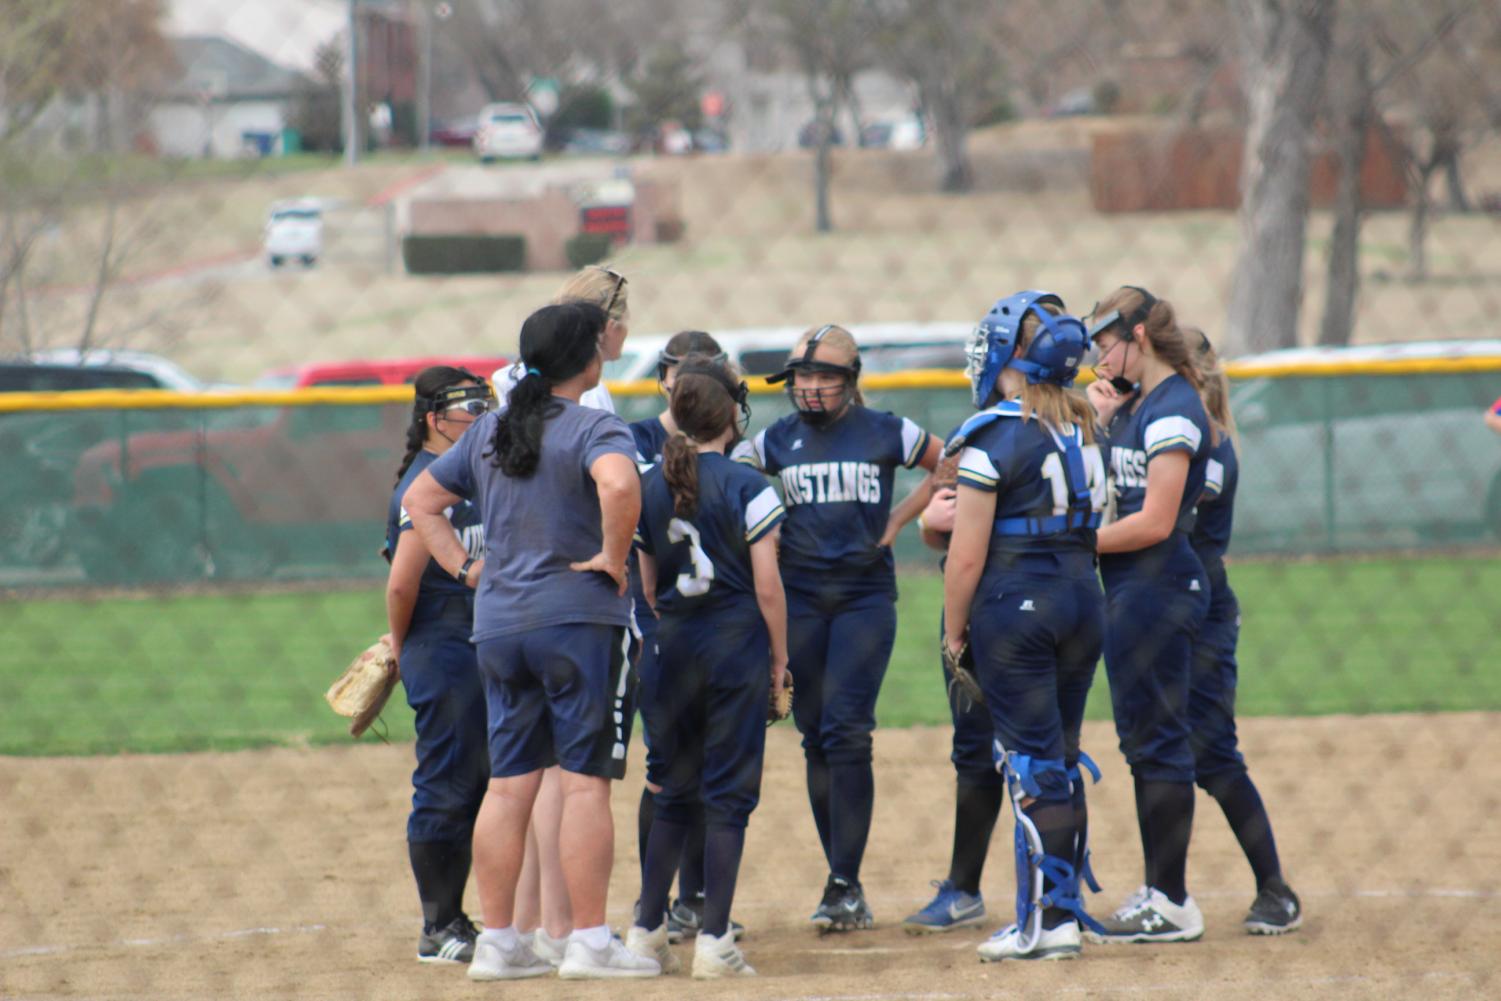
x=462, y=573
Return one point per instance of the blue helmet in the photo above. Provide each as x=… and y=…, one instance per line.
x=1052, y=357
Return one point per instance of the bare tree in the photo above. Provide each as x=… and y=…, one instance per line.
x=951, y=51
x=1285, y=47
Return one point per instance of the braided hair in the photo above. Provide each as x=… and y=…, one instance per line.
x=704, y=401
x=557, y=343
x=429, y=383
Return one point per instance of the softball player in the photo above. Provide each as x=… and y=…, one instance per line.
x=556, y=482
x=1157, y=594
x=837, y=461
x=1218, y=765
x=1020, y=589
x=430, y=615
x=979, y=787
x=708, y=552
x=685, y=916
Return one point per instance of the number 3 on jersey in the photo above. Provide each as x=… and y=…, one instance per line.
x=679, y=530
x=1094, y=475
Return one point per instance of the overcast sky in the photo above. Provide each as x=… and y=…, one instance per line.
x=285, y=31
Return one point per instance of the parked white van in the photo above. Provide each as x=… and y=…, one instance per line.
x=294, y=232
x=508, y=130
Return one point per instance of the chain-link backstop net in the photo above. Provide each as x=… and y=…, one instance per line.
x=185, y=570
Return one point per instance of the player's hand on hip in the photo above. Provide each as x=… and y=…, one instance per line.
x=600, y=563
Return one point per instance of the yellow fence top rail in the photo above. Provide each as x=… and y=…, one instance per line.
x=164, y=399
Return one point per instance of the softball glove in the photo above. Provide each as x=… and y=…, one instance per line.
x=362, y=690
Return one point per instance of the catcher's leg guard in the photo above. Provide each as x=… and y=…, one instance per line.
x=1034, y=867
x=1081, y=823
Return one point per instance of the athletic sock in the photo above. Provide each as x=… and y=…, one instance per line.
x=1243, y=808
x=1148, y=871
x=644, y=815
x=662, y=854
x=691, y=873
x=441, y=868
x=1055, y=825
x=1169, y=814
x=1081, y=830
x=852, y=798
x=818, y=797
x=723, y=846
x=976, y=807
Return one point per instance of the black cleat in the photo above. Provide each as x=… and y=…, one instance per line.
x=1275, y=912
x=453, y=943
x=843, y=907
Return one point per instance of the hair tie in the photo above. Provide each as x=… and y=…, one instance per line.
x=532, y=371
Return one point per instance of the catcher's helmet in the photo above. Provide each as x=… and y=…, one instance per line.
x=812, y=403
x=1052, y=357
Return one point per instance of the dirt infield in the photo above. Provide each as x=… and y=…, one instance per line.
x=283, y=874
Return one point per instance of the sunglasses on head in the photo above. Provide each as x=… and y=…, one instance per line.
x=615, y=292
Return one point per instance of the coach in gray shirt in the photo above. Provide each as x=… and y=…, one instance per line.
x=559, y=494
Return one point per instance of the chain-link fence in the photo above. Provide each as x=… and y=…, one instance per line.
x=185, y=569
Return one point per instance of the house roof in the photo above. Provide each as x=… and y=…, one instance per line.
x=228, y=71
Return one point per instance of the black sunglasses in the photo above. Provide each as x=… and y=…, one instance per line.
x=615, y=292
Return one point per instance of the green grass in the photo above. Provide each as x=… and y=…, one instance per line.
x=215, y=671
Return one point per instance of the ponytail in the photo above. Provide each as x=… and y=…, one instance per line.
x=1215, y=384
x=517, y=444
x=680, y=470
x=1169, y=344
x=416, y=438
x=557, y=343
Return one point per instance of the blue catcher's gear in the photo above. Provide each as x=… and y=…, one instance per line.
x=1034, y=868
x=1052, y=357
x=1082, y=866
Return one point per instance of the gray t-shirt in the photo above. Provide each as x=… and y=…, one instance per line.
x=535, y=527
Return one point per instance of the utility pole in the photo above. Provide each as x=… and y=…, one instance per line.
x=351, y=89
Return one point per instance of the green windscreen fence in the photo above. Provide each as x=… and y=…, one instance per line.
x=124, y=497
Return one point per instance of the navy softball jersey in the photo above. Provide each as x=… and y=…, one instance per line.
x=464, y=517
x=836, y=484
x=1216, y=511
x=1170, y=419
x=1022, y=462
x=650, y=436
x=704, y=560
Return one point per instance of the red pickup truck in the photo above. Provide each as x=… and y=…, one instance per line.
x=250, y=493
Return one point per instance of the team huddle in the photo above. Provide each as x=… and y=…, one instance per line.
x=555, y=570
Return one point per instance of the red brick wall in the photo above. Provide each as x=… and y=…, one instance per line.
x=1163, y=171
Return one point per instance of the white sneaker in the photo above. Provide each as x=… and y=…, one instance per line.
x=714, y=958
x=1062, y=942
x=548, y=949
x=653, y=944
x=491, y=962
x=613, y=961
x=1151, y=918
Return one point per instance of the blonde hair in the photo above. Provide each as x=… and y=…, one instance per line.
x=1215, y=390
x=843, y=343
x=598, y=285
x=1162, y=331
x=1047, y=402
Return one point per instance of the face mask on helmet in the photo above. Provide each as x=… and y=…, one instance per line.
x=822, y=404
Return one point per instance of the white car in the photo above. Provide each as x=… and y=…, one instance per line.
x=508, y=131
x=884, y=347
x=1334, y=456
x=294, y=232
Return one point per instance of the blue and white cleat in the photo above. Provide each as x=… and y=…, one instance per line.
x=951, y=908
